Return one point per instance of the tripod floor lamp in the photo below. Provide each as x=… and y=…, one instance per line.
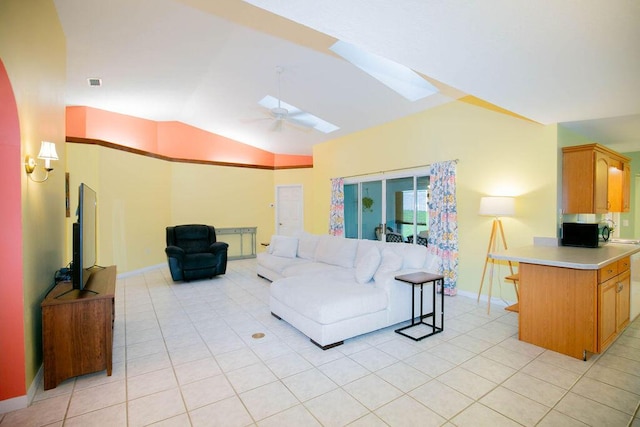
x=496, y=207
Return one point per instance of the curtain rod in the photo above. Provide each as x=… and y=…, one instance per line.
x=396, y=170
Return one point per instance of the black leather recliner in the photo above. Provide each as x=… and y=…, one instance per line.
x=193, y=252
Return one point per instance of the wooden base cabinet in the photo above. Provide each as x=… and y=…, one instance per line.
x=573, y=311
x=77, y=328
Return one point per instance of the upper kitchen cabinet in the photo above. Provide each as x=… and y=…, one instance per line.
x=595, y=179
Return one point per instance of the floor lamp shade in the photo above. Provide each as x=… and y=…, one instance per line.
x=497, y=206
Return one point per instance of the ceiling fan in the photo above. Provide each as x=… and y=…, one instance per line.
x=281, y=112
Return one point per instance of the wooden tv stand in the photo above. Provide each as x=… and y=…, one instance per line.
x=77, y=328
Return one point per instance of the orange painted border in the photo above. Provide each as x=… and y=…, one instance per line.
x=172, y=140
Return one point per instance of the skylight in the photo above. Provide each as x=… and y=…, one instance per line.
x=297, y=116
x=397, y=77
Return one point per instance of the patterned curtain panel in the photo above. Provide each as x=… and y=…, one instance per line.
x=336, y=210
x=443, y=221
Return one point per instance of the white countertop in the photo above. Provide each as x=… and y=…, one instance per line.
x=568, y=257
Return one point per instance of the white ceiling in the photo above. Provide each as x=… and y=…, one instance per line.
x=208, y=63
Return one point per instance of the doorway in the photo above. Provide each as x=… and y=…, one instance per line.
x=289, y=210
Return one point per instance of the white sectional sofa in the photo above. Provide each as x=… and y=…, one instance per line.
x=332, y=288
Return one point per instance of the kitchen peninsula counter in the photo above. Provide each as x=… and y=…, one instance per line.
x=568, y=257
x=572, y=300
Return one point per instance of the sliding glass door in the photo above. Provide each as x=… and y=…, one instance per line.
x=394, y=209
x=362, y=209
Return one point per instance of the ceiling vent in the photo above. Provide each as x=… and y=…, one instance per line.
x=94, y=82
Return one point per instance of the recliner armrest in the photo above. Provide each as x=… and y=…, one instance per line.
x=218, y=247
x=174, y=251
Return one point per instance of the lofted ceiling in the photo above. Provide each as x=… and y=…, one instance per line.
x=208, y=63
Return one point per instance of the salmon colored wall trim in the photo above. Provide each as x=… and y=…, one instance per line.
x=12, y=335
x=75, y=120
x=181, y=141
x=107, y=144
x=127, y=130
x=174, y=141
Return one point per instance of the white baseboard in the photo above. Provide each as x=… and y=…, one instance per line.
x=33, y=389
x=22, y=402
x=13, y=404
x=142, y=270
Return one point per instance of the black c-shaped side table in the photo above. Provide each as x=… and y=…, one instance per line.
x=421, y=278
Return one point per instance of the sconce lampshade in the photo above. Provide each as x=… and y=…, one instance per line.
x=48, y=151
x=497, y=206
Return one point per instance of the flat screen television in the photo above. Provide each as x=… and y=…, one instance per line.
x=84, y=237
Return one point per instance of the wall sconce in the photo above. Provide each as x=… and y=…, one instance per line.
x=47, y=153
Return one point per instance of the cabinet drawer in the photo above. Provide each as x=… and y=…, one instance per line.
x=624, y=264
x=607, y=272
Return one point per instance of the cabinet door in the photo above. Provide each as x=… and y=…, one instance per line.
x=615, y=189
x=623, y=298
x=626, y=187
x=578, y=170
x=607, y=321
x=601, y=190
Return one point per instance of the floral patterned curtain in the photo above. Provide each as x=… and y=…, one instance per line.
x=336, y=210
x=443, y=221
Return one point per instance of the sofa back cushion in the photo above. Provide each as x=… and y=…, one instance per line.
x=307, y=244
x=283, y=246
x=432, y=263
x=413, y=256
x=336, y=250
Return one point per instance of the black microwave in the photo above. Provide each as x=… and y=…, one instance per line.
x=580, y=234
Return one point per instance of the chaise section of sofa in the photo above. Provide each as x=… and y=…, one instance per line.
x=332, y=288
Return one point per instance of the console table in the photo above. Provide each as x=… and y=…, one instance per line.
x=416, y=279
x=241, y=240
x=77, y=327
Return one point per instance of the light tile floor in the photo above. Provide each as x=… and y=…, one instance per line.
x=184, y=355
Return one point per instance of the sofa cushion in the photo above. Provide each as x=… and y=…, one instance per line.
x=284, y=246
x=278, y=264
x=328, y=301
x=413, y=256
x=364, y=246
x=307, y=244
x=367, y=265
x=310, y=268
x=391, y=261
x=336, y=250
x=432, y=262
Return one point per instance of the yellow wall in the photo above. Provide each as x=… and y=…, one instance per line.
x=33, y=49
x=139, y=196
x=223, y=197
x=133, y=203
x=498, y=155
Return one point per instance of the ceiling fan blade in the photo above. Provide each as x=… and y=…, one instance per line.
x=277, y=126
x=301, y=123
x=254, y=120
